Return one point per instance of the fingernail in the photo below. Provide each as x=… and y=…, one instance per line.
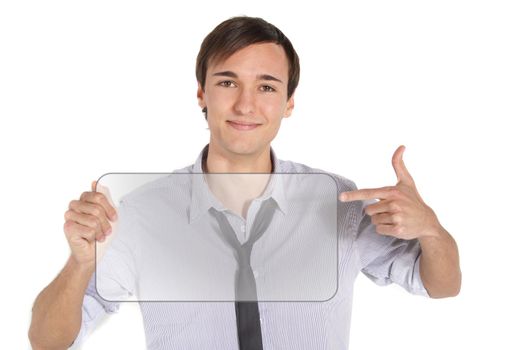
x=108, y=232
x=102, y=239
x=114, y=217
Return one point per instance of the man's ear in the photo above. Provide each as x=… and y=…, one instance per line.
x=200, y=96
x=289, y=106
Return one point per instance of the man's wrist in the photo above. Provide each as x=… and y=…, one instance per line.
x=433, y=235
x=81, y=269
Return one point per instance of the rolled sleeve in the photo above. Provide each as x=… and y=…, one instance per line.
x=93, y=309
x=386, y=259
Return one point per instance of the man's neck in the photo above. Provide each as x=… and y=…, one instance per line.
x=219, y=162
x=247, y=177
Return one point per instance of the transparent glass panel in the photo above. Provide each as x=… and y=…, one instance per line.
x=219, y=237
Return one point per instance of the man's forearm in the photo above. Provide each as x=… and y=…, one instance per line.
x=439, y=265
x=57, y=312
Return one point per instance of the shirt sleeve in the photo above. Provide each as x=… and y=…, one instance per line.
x=386, y=259
x=94, y=308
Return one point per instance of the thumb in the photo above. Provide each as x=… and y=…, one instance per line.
x=403, y=176
x=96, y=187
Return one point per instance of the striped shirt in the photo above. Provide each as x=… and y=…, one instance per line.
x=284, y=325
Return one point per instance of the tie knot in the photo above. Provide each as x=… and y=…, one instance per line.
x=244, y=256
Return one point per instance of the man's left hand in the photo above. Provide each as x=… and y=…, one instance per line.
x=400, y=212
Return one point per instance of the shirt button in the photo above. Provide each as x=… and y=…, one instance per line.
x=255, y=274
x=243, y=228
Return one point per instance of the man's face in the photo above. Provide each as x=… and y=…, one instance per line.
x=246, y=98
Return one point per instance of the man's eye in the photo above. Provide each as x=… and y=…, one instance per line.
x=226, y=83
x=267, y=88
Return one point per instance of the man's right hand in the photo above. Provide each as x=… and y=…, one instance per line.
x=57, y=312
x=87, y=221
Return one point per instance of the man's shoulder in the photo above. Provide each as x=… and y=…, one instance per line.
x=343, y=183
x=158, y=185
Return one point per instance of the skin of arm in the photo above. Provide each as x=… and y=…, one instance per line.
x=57, y=311
x=439, y=265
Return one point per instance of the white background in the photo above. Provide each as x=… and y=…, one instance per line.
x=93, y=87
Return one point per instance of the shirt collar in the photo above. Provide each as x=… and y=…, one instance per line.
x=202, y=199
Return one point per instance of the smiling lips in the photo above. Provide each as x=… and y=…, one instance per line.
x=240, y=125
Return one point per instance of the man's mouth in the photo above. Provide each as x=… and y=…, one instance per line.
x=240, y=125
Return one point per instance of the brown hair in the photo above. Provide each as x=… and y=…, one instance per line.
x=237, y=33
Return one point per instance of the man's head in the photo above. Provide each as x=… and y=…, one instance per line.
x=237, y=33
x=247, y=72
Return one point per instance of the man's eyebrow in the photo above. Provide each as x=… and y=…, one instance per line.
x=225, y=74
x=268, y=77
x=231, y=74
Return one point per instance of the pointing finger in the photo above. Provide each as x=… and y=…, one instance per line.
x=365, y=194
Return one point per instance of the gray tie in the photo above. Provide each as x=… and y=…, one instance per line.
x=246, y=307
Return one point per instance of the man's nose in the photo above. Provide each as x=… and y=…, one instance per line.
x=245, y=102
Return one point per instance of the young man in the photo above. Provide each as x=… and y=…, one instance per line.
x=247, y=71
